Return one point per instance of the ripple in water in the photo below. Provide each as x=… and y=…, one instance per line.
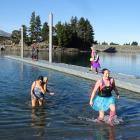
x=116, y=120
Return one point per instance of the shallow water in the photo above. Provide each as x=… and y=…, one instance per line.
x=66, y=116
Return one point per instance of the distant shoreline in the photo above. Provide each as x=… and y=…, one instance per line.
x=117, y=48
x=100, y=48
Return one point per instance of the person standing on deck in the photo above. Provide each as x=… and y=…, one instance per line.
x=96, y=64
x=92, y=58
x=34, y=50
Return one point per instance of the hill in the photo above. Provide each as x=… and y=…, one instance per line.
x=4, y=34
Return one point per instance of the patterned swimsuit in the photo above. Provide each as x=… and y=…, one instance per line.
x=37, y=92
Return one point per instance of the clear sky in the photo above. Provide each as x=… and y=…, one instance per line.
x=115, y=21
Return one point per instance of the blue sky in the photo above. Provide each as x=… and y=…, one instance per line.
x=115, y=21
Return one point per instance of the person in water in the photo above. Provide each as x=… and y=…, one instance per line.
x=101, y=98
x=38, y=90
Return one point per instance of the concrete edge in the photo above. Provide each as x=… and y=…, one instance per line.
x=82, y=74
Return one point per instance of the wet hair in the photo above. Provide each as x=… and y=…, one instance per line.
x=103, y=70
x=40, y=78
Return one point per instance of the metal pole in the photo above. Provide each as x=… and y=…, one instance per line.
x=22, y=42
x=50, y=36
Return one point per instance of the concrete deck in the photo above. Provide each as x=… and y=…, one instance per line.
x=124, y=81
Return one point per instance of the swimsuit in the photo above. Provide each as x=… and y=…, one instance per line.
x=104, y=98
x=105, y=91
x=37, y=92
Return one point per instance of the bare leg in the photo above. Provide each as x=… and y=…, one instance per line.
x=96, y=70
x=112, y=114
x=101, y=116
x=34, y=102
x=41, y=102
x=91, y=67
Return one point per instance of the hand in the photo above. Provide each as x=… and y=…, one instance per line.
x=118, y=96
x=91, y=103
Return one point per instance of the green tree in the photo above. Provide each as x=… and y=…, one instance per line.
x=37, y=28
x=76, y=34
x=16, y=36
x=73, y=24
x=25, y=36
x=104, y=43
x=32, y=27
x=85, y=34
x=60, y=31
x=89, y=35
x=112, y=43
x=134, y=43
x=45, y=32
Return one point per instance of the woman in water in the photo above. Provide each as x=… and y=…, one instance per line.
x=38, y=90
x=104, y=99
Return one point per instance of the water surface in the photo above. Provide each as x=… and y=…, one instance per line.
x=126, y=63
x=66, y=115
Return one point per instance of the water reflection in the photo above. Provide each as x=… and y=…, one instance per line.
x=103, y=132
x=21, y=71
x=111, y=133
x=127, y=63
x=38, y=120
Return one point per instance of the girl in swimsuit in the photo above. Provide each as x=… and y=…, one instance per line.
x=101, y=98
x=37, y=92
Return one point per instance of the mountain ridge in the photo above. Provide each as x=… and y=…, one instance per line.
x=4, y=34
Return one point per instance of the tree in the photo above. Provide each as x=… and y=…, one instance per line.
x=112, y=43
x=127, y=44
x=16, y=36
x=76, y=34
x=73, y=24
x=45, y=32
x=60, y=34
x=104, y=43
x=32, y=27
x=89, y=34
x=85, y=34
x=134, y=43
x=37, y=28
x=25, y=36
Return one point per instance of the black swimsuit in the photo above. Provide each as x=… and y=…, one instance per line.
x=106, y=90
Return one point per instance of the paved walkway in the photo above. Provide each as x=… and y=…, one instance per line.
x=124, y=81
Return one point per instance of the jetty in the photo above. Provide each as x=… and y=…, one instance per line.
x=128, y=82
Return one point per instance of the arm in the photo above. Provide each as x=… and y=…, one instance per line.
x=94, y=92
x=46, y=89
x=92, y=54
x=96, y=58
x=115, y=89
x=32, y=88
x=43, y=88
